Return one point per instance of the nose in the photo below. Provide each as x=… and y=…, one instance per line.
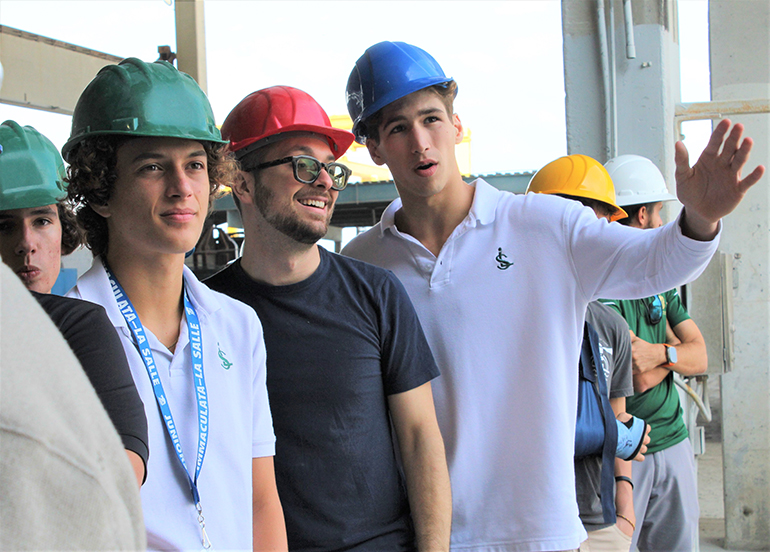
x=324, y=180
x=419, y=138
x=179, y=183
x=26, y=243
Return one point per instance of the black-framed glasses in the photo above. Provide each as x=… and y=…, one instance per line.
x=307, y=170
x=654, y=310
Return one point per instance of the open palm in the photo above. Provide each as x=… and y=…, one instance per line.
x=713, y=187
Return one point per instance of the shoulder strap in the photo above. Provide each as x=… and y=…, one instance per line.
x=591, y=357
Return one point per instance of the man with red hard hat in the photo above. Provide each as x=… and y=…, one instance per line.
x=501, y=284
x=346, y=353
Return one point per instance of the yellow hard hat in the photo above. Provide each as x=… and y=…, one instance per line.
x=577, y=176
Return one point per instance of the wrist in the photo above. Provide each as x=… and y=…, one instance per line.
x=670, y=354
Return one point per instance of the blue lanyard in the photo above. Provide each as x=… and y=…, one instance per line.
x=196, y=348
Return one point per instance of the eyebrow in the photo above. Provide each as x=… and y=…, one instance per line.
x=305, y=150
x=155, y=155
x=45, y=210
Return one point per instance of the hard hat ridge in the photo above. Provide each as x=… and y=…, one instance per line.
x=577, y=176
x=268, y=115
x=637, y=180
x=386, y=72
x=136, y=98
x=31, y=169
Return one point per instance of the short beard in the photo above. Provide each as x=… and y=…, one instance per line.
x=290, y=227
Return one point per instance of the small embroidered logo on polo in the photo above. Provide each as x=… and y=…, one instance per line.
x=226, y=364
x=502, y=264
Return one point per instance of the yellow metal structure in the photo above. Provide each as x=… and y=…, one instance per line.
x=364, y=169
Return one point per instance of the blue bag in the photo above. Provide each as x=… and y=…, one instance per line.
x=596, y=432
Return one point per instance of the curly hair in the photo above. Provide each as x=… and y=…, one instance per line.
x=93, y=172
x=72, y=235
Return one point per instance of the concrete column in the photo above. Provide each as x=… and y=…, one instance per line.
x=740, y=70
x=641, y=101
x=191, y=40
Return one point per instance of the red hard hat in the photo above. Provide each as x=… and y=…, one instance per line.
x=276, y=110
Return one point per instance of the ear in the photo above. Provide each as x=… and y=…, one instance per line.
x=373, y=146
x=460, y=131
x=642, y=216
x=101, y=210
x=243, y=187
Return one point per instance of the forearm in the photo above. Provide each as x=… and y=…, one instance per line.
x=696, y=227
x=648, y=380
x=430, y=497
x=269, y=528
x=624, y=498
x=268, y=525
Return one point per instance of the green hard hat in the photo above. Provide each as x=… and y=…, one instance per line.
x=31, y=169
x=135, y=98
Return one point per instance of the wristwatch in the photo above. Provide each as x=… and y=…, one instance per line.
x=670, y=356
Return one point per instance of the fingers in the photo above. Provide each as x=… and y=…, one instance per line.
x=752, y=179
x=731, y=146
x=742, y=154
x=681, y=159
x=717, y=137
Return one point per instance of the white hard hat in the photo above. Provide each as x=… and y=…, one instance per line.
x=637, y=180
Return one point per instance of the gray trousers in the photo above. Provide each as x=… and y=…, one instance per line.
x=666, y=500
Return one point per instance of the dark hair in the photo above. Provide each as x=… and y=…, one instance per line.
x=633, y=210
x=93, y=172
x=72, y=235
x=604, y=209
x=446, y=92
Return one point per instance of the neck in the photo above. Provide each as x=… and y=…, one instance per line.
x=155, y=289
x=431, y=220
x=272, y=258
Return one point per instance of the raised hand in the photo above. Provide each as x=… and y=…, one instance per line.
x=713, y=187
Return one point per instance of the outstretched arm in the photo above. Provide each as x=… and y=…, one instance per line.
x=713, y=187
x=425, y=468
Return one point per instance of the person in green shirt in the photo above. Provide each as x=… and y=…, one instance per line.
x=664, y=340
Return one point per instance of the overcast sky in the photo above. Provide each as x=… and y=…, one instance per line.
x=506, y=57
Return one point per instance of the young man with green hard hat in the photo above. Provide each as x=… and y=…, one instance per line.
x=36, y=224
x=665, y=341
x=37, y=227
x=501, y=284
x=146, y=159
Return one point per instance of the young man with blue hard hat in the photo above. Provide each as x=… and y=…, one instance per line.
x=146, y=159
x=664, y=340
x=349, y=368
x=501, y=284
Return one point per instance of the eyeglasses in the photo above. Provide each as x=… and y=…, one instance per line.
x=655, y=310
x=307, y=170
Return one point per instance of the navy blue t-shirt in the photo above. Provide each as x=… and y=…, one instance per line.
x=338, y=343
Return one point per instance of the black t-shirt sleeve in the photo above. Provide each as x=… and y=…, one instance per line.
x=93, y=339
x=407, y=359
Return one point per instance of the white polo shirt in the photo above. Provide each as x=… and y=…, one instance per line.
x=503, y=307
x=240, y=425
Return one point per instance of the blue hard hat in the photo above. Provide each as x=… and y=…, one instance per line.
x=387, y=72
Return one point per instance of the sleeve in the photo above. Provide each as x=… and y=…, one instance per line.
x=675, y=311
x=263, y=436
x=93, y=339
x=612, y=260
x=407, y=361
x=622, y=384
